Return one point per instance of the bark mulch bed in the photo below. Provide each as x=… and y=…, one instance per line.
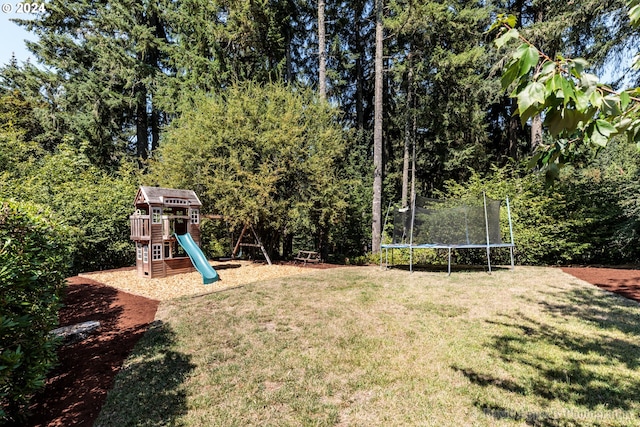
x=77, y=388
x=623, y=281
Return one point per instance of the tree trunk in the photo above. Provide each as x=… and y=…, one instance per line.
x=536, y=132
x=287, y=244
x=513, y=126
x=407, y=133
x=142, y=130
x=376, y=225
x=155, y=129
x=322, y=53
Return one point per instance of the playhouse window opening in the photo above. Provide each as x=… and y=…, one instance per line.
x=139, y=251
x=156, y=215
x=145, y=253
x=175, y=202
x=156, y=252
x=195, y=216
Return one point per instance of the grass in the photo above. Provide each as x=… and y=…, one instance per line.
x=363, y=347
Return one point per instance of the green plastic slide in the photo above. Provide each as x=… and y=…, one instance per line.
x=200, y=262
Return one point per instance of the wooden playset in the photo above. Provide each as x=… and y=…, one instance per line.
x=160, y=215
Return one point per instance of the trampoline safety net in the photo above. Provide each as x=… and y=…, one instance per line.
x=438, y=223
x=447, y=224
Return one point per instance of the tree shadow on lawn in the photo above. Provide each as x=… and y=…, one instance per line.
x=147, y=391
x=584, y=368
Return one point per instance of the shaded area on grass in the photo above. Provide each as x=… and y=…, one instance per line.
x=77, y=387
x=148, y=392
x=574, y=368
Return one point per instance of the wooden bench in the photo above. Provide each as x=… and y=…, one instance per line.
x=307, y=256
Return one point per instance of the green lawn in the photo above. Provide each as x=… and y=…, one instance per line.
x=364, y=347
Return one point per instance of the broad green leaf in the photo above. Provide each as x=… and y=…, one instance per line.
x=555, y=85
x=571, y=120
x=634, y=15
x=506, y=38
x=549, y=67
x=596, y=99
x=595, y=137
x=625, y=100
x=554, y=122
x=528, y=59
x=528, y=113
x=501, y=20
x=568, y=90
x=532, y=94
x=611, y=105
x=589, y=82
x=579, y=65
x=533, y=162
x=582, y=100
x=624, y=124
x=599, y=132
x=605, y=128
x=510, y=75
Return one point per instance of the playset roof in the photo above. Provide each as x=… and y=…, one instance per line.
x=161, y=196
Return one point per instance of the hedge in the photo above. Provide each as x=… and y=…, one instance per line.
x=35, y=254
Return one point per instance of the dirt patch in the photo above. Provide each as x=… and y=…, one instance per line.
x=77, y=388
x=625, y=282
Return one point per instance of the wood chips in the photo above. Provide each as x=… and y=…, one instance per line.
x=232, y=274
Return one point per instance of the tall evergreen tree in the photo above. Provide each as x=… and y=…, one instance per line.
x=105, y=58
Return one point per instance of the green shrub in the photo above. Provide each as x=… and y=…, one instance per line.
x=96, y=203
x=34, y=259
x=267, y=155
x=215, y=238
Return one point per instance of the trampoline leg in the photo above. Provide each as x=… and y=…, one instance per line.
x=410, y=260
x=449, y=264
x=489, y=258
x=513, y=266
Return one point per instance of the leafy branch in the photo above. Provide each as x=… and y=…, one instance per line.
x=577, y=109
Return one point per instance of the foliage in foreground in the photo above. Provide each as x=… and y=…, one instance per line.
x=34, y=260
x=579, y=111
x=360, y=346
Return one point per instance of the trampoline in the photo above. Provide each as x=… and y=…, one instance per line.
x=449, y=225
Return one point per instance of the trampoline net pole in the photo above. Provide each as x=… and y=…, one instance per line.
x=513, y=266
x=486, y=224
x=413, y=218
